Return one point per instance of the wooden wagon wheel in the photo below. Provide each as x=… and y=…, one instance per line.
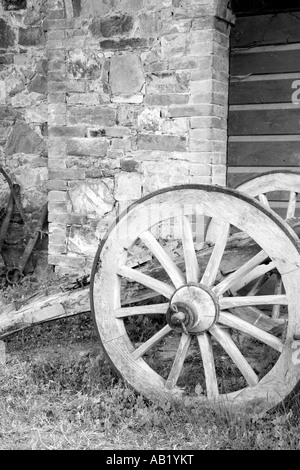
x=277, y=180
x=259, y=187
x=211, y=357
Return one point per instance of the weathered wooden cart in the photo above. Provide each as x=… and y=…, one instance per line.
x=208, y=320
x=216, y=319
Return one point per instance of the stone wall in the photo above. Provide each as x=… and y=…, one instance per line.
x=23, y=110
x=23, y=101
x=137, y=101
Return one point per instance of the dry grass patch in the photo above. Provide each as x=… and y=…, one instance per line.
x=58, y=391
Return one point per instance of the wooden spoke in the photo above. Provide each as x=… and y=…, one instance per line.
x=170, y=267
x=256, y=317
x=191, y=262
x=231, y=279
x=258, y=285
x=292, y=205
x=141, y=310
x=213, y=264
x=229, y=346
x=150, y=343
x=231, y=302
x=278, y=291
x=252, y=275
x=264, y=200
x=232, y=321
x=182, y=351
x=207, y=355
x=158, y=286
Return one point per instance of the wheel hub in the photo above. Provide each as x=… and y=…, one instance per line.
x=193, y=308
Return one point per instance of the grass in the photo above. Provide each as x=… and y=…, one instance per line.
x=57, y=391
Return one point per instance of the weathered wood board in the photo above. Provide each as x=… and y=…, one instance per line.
x=264, y=96
x=264, y=121
x=266, y=29
x=278, y=90
x=280, y=60
x=264, y=153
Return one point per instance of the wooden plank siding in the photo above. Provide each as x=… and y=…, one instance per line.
x=277, y=89
x=280, y=28
x=277, y=59
x=265, y=151
x=264, y=120
x=264, y=99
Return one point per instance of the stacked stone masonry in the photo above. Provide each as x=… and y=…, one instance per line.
x=137, y=101
x=23, y=113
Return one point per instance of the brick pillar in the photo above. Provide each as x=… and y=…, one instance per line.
x=206, y=60
x=55, y=26
x=209, y=85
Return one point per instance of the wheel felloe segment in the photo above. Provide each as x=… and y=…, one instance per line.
x=198, y=331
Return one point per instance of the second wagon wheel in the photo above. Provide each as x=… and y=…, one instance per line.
x=284, y=182
x=183, y=341
x=273, y=187
x=286, y=185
